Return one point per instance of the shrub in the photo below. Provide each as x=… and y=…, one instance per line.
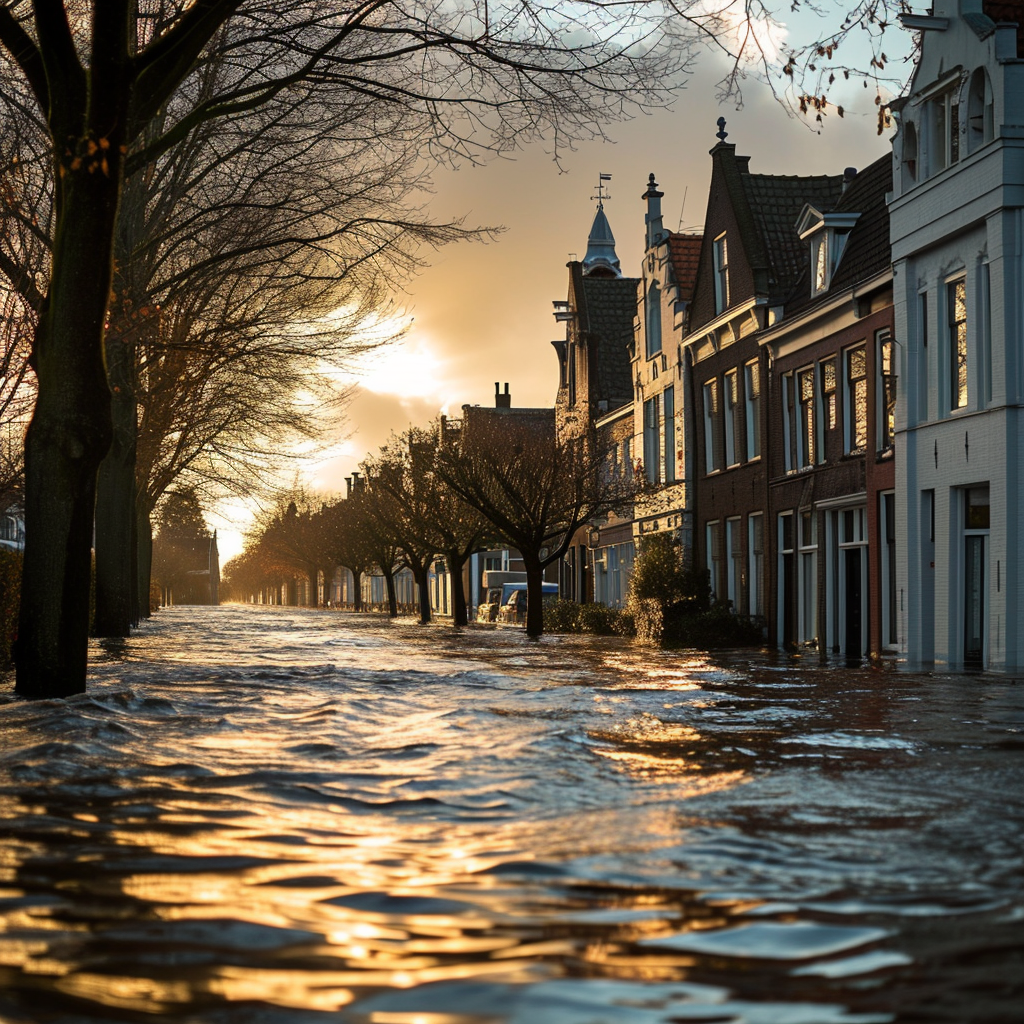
x=597, y=618
x=570, y=617
x=10, y=596
x=671, y=604
x=561, y=617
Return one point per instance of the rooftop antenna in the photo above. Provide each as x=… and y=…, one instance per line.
x=601, y=194
x=681, y=209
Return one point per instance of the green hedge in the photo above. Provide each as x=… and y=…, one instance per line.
x=570, y=617
x=10, y=595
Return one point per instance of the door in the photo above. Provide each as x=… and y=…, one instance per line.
x=974, y=599
x=854, y=643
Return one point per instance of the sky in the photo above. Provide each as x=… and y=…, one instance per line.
x=481, y=313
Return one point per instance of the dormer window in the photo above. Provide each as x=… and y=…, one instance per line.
x=819, y=248
x=827, y=234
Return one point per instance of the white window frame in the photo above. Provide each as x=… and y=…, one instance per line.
x=752, y=400
x=720, y=251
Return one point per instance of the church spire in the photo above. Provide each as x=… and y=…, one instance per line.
x=601, y=260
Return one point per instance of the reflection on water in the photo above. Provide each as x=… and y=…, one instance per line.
x=284, y=816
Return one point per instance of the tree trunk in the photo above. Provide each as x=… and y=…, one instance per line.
x=67, y=439
x=115, y=500
x=314, y=588
x=144, y=560
x=389, y=582
x=423, y=587
x=357, y=590
x=460, y=614
x=534, y=597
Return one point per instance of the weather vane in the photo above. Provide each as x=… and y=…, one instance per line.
x=601, y=194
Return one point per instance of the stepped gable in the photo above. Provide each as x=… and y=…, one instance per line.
x=610, y=312
x=775, y=202
x=684, y=255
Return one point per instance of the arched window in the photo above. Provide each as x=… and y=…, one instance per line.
x=652, y=320
x=909, y=154
x=980, y=115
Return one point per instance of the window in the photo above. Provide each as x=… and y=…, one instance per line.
x=789, y=430
x=755, y=564
x=943, y=131
x=828, y=387
x=752, y=388
x=714, y=543
x=627, y=457
x=980, y=126
x=985, y=353
x=819, y=261
x=721, y=256
x=652, y=320
x=669, y=436
x=711, y=462
x=956, y=313
x=886, y=391
x=732, y=408
x=808, y=576
x=909, y=154
x=805, y=417
x=734, y=561
x=856, y=399
x=652, y=439
x=922, y=358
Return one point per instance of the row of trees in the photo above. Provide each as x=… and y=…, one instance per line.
x=192, y=190
x=449, y=490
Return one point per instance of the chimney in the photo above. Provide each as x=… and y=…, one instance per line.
x=357, y=482
x=655, y=231
x=348, y=487
x=849, y=173
x=502, y=401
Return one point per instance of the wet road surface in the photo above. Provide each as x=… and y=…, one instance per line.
x=275, y=816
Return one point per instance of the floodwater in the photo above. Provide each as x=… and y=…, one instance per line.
x=281, y=816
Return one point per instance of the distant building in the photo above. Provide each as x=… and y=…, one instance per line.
x=12, y=529
x=957, y=232
x=661, y=405
x=595, y=393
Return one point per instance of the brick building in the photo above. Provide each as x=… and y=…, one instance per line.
x=830, y=421
x=751, y=262
x=595, y=392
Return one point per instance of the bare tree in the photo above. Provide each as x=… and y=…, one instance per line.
x=464, y=80
x=481, y=79
x=534, y=489
x=404, y=508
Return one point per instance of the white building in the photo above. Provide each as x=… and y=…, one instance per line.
x=957, y=231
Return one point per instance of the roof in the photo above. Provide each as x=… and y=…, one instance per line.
x=684, y=255
x=775, y=202
x=1007, y=11
x=607, y=321
x=600, y=259
x=867, y=252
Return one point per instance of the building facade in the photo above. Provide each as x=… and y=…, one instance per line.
x=957, y=233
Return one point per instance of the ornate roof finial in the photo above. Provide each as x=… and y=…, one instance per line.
x=721, y=134
x=601, y=260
